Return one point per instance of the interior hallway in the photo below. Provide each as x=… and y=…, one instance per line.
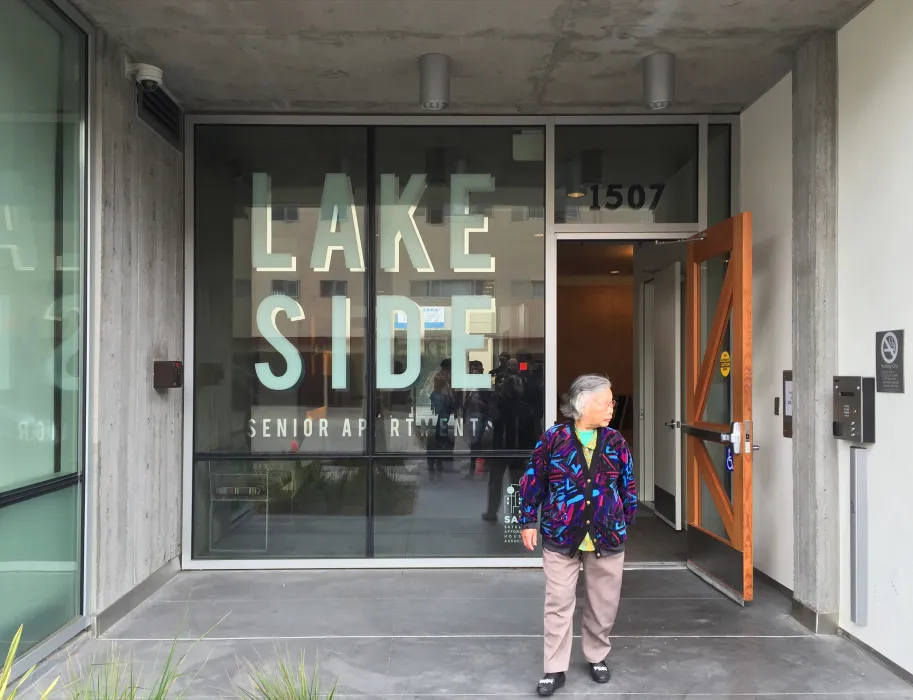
x=476, y=633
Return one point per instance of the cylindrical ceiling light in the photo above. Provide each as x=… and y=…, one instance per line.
x=434, y=81
x=659, y=80
x=573, y=186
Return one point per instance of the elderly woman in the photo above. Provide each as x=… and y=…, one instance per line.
x=581, y=476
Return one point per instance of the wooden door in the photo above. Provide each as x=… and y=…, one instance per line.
x=718, y=400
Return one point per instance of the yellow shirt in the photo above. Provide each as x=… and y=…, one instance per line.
x=588, y=440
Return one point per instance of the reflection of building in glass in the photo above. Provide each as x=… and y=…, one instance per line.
x=517, y=324
x=514, y=245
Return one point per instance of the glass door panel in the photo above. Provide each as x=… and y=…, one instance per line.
x=718, y=406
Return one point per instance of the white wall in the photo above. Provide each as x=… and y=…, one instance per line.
x=766, y=192
x=875, y=285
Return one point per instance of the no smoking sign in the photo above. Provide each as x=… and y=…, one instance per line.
x=889, y=362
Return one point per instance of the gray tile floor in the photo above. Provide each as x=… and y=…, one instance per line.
x=464, y=634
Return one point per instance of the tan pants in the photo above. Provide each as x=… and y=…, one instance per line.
x=602, y=578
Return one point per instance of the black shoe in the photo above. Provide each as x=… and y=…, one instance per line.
x=600, y=672
x=489, y=517
x=550, y=683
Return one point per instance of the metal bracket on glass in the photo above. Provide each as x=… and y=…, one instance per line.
x=734, y=437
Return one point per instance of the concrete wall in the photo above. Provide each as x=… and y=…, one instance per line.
x=766, y=192
x=874, y=250
x=138, y=302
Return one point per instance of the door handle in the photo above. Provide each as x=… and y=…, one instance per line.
x=671, y=423
x=733, y=438
x=705, y=434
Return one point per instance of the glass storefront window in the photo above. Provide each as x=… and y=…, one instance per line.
x=435, y=519
x=42, y=157
x=626, y=174
x=312, y=508
x=461, y=304
x=280, y=241
x=719, y=173
x=40, y=566
x=371, y=291
x=280, y=509
x=370, y=321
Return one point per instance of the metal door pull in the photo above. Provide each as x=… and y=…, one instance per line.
x=734, y=438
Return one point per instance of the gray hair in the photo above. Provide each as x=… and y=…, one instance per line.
x=574, y=401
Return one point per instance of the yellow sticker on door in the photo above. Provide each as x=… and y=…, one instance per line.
x=725, y=364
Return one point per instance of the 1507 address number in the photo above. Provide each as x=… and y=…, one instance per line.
x=635, y=196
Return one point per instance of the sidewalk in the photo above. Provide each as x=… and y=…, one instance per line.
x=464, y=634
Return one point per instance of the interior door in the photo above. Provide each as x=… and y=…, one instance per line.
x=667, y=396
x=718, y=415
x=647, y=442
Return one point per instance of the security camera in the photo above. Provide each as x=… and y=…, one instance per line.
x=148, y=77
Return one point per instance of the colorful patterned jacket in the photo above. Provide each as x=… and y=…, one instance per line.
x=574, y=499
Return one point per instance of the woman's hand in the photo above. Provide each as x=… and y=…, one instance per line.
x=529, y=536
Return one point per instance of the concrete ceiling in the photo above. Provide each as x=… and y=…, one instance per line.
x=509, y=56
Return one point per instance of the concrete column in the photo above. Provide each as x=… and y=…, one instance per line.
x=814, y=290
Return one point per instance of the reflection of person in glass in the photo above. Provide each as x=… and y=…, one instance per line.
x=512, y=407
x=509, y=395
x=500, y=371
x=499, y=425
x=474, y=405
x=581, y=477
x=529, y=408
x=395, y=405
x=442, y=403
